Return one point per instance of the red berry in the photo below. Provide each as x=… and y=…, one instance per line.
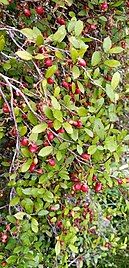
x=50, y=81
x=4, y=264
x=86, y=156
x=50, y=136
x=33, y=148
x=52, y=162
x=74, y=179
x=84, y=188
x=79, y=124
x=82, y=62
x=123, y=44
x=127, y=4
x=40, y=10
x=24, y=142
x=59, y=224
x=119, y=181
x=32, y=167
x=94, y=178
x=4, y=236
x=104, y=6
x=93, y=26
x=75, y=123
x=60, y=130
x=65, y=84
x=108, y=245
x=39, y=171
x=6, y=108
x=27, y=12
x=98, y=187
x=24, y=116
x=8, y=227
x=77, y=91
x=77, y=187
x=50, y=124
x=42, y=50
x=61, y=21
x=46, y=143
x=48, y=62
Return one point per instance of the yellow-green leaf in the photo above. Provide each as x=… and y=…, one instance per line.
x=34, y=225
x=107, y=43
x=112, y=63
x=50, y=71
x=115, y=80
x=39, y=128
x=57, y=248
x=24, y=55
x=68, y=128
x=45, y=151
x=96, y=58
x=78, y=27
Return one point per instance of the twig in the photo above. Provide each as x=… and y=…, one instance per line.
x=22, y=95
x=3, y=96
x=17, y=133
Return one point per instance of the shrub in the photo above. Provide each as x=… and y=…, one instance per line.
x=64, y=133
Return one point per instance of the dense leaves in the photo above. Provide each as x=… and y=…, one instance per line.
x=64, y=134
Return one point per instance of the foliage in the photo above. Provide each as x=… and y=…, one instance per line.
x=64, y=133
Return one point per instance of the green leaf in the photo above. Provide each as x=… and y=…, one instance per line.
x=107, y=43
x=74, y=54
x=58, y=155
x=5, y=2
x=82, y=111
x=50, y=71
x=28, y=33
x=14, y=201
x=48, y=196
x=99, y=128
x=89, y=132
x=79, y=149
x=116, y=50
x=19, y=215
x=32, y=118
x=96, y=58
x=74, y=135
x=110, y=144
x=115, y=80
x=24, y=55
x=39, y=40
x=43, y=212
x=48, y=112
x=55, y=103
x=45, y=151
x=59, y=34
x=2, y=43
x=73, y=40
x=110, y=93
x=39, y=56
x=57, y=124
x=22, y=130
x=80, y=86
x=73, y=248
x=75, y=72
x=39, y=128
x=26, y=165
x=112, y=63
x=78, y=27
x=34, y=225
x=68, y=128
x=92, y=149
x=58, y=115
x=57, y=248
